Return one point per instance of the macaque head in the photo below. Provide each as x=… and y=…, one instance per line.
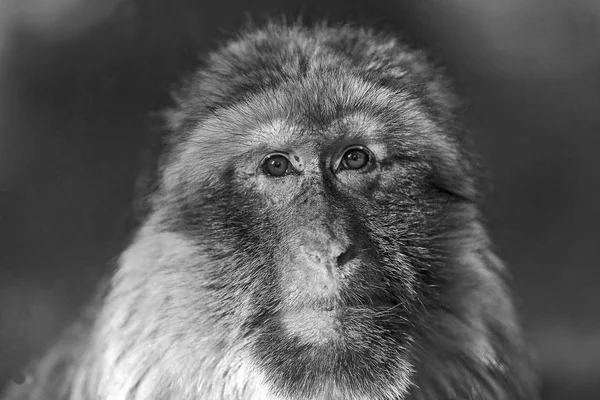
x=320, y=173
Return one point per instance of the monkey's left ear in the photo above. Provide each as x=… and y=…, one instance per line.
x=453, y=174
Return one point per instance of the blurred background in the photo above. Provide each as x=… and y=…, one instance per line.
x=80, y=80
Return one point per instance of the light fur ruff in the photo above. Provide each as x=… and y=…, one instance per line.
x=212, y=301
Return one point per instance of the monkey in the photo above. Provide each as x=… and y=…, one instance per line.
x=315, y=233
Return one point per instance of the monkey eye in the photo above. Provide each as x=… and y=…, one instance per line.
x=276, y=165
x=355, y=158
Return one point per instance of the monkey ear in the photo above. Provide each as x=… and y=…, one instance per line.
x=453, y=172
x=459, y=184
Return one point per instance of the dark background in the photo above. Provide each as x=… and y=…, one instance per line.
x=79, y=80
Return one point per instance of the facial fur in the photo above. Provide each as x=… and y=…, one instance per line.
x=326, y=282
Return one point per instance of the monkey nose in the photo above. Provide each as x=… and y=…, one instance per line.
x=330, y=255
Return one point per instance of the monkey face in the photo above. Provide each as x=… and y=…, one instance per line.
x=324, y=218
x=323, y=203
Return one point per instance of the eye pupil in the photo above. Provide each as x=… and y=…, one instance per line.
x=276, y=166
x=356, y=158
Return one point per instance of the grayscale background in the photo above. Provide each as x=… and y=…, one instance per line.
x=80, y=79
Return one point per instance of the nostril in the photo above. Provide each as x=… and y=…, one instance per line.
x=346, y=256
x=329, y=255
x=314, y=257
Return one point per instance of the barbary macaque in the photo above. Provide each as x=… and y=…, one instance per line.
x=314, y=234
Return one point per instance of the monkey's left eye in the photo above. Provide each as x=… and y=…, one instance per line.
x=276, y=165
x=355, y=158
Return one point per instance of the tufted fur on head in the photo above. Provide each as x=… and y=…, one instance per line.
x=326, y=283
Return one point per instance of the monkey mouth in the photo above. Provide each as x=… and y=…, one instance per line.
x=330, y=321
x=335, y=306
x=313, y=325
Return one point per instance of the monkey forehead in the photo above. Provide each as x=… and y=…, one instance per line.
x=328, y=106
x=282, y=133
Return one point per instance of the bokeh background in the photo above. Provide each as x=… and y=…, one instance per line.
x=81, y=79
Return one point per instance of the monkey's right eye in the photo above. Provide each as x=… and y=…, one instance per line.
x=276, y=165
